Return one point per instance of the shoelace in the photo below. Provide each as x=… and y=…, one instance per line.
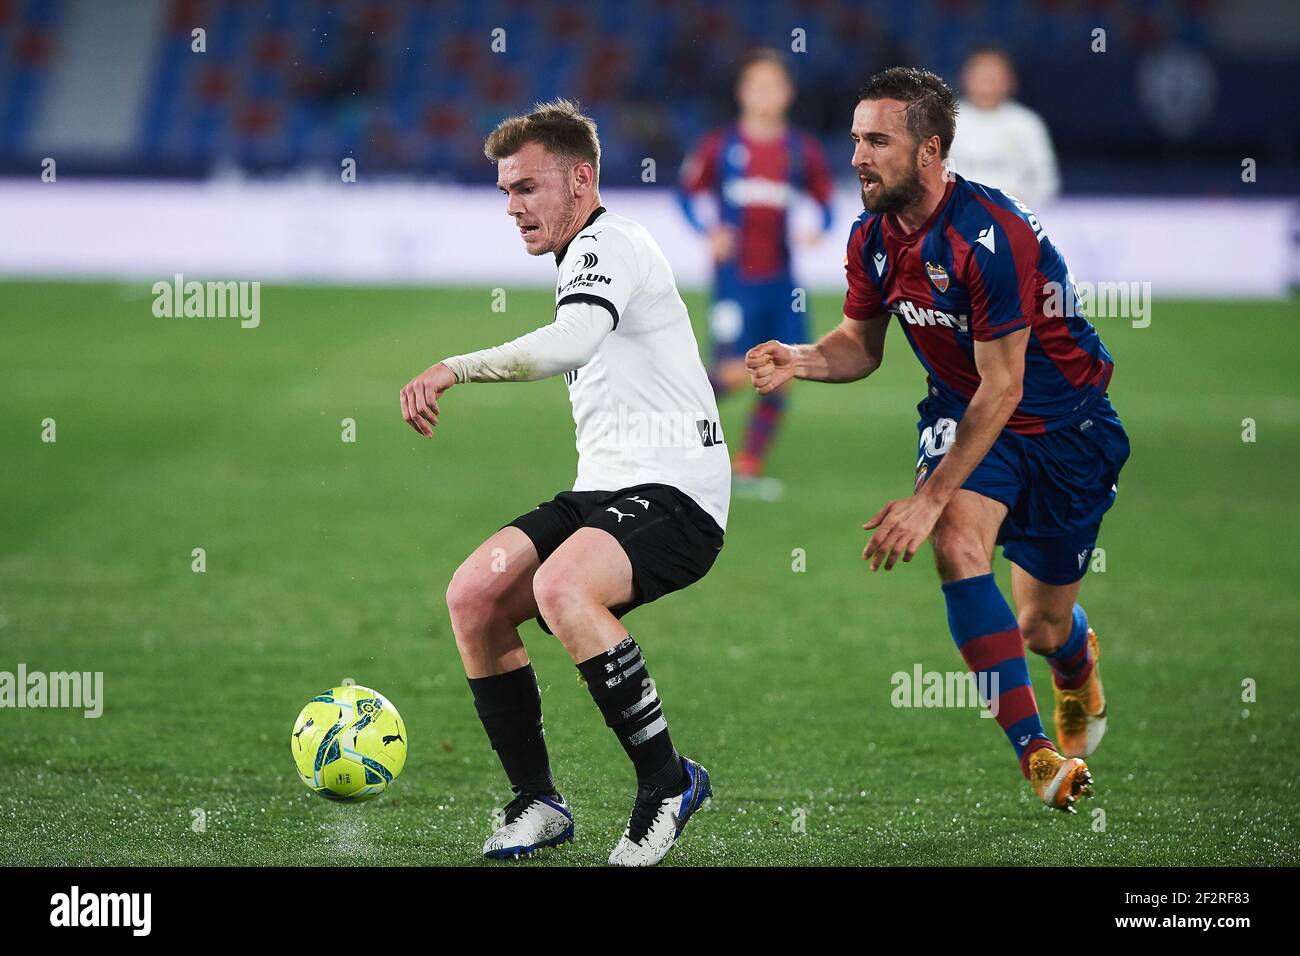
x=516, y=807
x=645, y=811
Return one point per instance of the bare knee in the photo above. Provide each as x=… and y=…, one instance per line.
x=473, y=599
x=558, y=600
x=1044, y=628
x=958, y=553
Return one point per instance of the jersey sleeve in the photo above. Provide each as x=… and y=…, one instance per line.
x=862, y=300
x=700, y=170
x=599, y=268
x=1001, y=271
x=566, y=344
x=817, y=178
x=699, y=174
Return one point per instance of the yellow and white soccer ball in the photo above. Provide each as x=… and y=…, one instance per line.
x=349, y=743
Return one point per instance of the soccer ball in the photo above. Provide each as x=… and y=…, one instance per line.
x=349, y=743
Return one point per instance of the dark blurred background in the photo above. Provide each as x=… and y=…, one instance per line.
x=1183, y=92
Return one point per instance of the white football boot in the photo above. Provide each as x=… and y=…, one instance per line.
x=657, y=821
x=531, y=821
x=757, y=487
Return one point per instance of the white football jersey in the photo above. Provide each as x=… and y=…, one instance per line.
x=642, y=406
x=1007, y=147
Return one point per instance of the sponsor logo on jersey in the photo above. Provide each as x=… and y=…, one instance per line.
x=588, y=261
x=628, y=428
x=584, y=279
x=752, y=191
x=913, y=314
x=938, y=275
x=710, y=434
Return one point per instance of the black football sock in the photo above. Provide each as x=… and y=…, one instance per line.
x=510, y=706
x=628, y=700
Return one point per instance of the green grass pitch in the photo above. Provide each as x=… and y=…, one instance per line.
x=328, y=560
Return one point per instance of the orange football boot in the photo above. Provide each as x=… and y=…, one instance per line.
x=1057, y=780
x=1081, y=714
x=745, y=465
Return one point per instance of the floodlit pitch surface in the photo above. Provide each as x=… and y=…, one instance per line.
x=328, y=559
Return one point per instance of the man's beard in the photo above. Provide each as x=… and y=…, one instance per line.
x=896, y=198
x=567, y=218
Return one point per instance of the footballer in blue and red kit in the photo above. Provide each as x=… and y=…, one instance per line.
x=754, y=182
x=982, y=268
x=1018, y=442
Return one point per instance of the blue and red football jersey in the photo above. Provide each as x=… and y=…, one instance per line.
x=755, y=183
x=980, y=268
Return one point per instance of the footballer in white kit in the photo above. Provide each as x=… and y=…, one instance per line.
x=645, y=517
x=642, y=404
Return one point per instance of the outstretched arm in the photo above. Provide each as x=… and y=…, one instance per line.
x=902, y=526
x=1001, y=366
x=852, y=351
x=566, y=344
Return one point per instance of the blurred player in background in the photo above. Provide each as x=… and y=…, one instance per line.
x=1000, y=142
x=754, y=169
x=1018, y=442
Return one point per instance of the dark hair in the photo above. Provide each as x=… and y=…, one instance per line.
x=763, y=54
x=931, y=104
x=558, y=125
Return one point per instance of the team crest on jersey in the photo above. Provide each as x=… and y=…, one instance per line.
x=938, y=275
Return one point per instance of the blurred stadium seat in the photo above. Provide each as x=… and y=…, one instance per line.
x=409, y=86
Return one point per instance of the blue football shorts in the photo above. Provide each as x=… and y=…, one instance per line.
x=1056, y=485
x=745, y=314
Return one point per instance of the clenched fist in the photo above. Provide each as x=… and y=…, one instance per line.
x=770, y=366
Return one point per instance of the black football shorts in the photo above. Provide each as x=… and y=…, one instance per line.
x=670, y=541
